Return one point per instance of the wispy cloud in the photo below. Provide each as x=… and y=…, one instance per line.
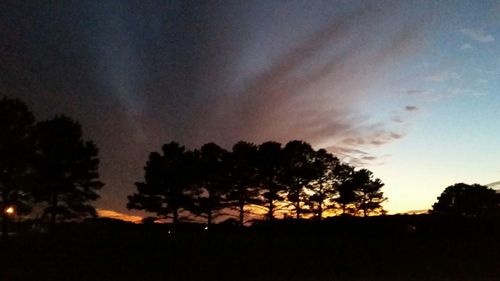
x=478, y=35
x=414, y=92
x=397, y=119
x=479, y=94
x=312, y=89
x=443, y=76
x=411, y=108
x=466, y=47
x=357, y=157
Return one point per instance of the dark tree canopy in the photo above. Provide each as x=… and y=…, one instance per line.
x=16, y=156
x=325, y=185
x=369, y=192
x=211, y=180
x=466, y=200
x=45, y=164
x=67, y=168
x=347, y=196
x=243, y=188
x=261, y=180
x=167, y=179
x=270, y=172
x=298, y=171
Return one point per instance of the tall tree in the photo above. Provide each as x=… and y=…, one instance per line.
x=212, y=180
x=68, y=170
x=325, y=186
x=299, y=171
x=347, y=195
x=369, y=193
x=467, y=200
x=270, y=171
x=243, y=178
x=16, y=154
x=166, y=184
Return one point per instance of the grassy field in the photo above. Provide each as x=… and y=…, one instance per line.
x=384, y=248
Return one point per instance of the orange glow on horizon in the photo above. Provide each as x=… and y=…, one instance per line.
x=119, y=216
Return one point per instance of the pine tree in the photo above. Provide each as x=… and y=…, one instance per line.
x=325, y=185
x=243, y=189
x=16, y=155
x=369, y=193
x=298, y=172
x=167, y=179
x=67, y=169
x=270, y=171
x=212, y=181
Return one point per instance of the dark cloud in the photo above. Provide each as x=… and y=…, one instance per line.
x=397, y=119
x=414, y=92
x=396, y=135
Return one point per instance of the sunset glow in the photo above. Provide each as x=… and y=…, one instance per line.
x=119, y=216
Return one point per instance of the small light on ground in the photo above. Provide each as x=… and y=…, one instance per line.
x=206, y=228
x=9, y=210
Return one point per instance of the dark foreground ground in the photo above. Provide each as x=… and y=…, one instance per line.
x=384, y=248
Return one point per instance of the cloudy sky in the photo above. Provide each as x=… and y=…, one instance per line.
x=408, y=90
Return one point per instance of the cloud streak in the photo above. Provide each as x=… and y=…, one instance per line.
x=443, y=76
x=411, y=108
x=317, y=103
x=478, y=35
x=466, y=47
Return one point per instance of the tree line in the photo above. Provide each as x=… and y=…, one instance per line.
x=293, y=178
x=45, y=165
x=48, y=166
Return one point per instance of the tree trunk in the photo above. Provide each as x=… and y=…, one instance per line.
x=5, y=225
x=320, y=210
x=242, y=211
x=321, y=199
x=53, y=214
x=175, y=216
x=5, y=217
x=209, y=211
x=270, y=214
x=297, y=210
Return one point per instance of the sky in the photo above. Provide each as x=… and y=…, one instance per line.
x=407, y=89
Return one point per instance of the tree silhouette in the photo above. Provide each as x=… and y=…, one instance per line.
x=67, y=168
x=369, y=193
x=359, y=192
x=243, y=178
x=270, y=170
x=466, y=200
x=294, y=178
x=298, y=172
x=347, y=195
x=167, y=179
x=325, y=185
x=16, y=155
x=211, y=179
